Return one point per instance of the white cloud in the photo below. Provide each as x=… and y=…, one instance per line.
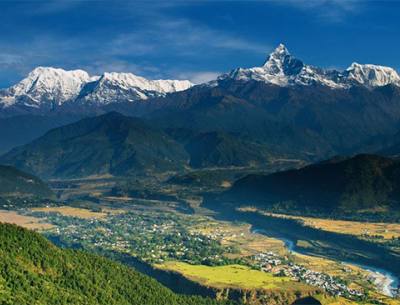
x=181, y=36
x=135, y=48
x=326, y=10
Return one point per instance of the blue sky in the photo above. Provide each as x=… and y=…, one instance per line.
x=192, y=39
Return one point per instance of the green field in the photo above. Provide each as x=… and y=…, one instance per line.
x=235, y=276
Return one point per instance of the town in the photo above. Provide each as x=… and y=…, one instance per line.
x=271, y=262
x=151, y=237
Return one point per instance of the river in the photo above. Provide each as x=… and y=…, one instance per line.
x=384, y=280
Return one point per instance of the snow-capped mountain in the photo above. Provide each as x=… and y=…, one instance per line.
x=372, y=75
x=115, y=87
x=283, y=69
x=47, y=88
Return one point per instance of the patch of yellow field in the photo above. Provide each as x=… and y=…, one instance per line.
x=387, y=230
x=358, y=228
x=118, y=199
x=28, y=222
x=234, y=276
x=328, y=266
x=261, y=243
x=71, y=211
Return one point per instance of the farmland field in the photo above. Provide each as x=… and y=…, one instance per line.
x=386, y=230
x=235, y=276
x=71, y=211
x=28, y=222
x=357, y=228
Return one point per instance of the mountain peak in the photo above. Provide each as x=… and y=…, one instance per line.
x=372, y=75
x=114, y=87
x=281, y=50
x=283, y=69
x=40, y=70
x=50, y=76
x=279, y=68
x=54, y=85
x=280, y=54
x=280, y=62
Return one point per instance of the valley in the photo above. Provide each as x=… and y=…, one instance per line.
x=166, y=231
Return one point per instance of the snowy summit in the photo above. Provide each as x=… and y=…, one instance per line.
x=50, y=87
x=283, y=69
x=114, y=87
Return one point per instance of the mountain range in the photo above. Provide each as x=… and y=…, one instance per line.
x=283, y=69
x=284, y=108
x=46, y=89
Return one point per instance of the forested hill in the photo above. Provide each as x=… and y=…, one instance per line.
x=15, y=183
x=363, y=183
x=34, y=271
x=107, y=144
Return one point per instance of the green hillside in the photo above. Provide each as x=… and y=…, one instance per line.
x=34, y=271
x=364, y=183
x=119, y=145
x=107, y=144
x=15, y=183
